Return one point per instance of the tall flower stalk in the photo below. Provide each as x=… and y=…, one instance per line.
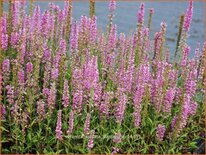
x=91, y=8
x=69, y=84
x=59, y=126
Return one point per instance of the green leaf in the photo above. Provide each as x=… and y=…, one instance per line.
x=29, y=136
x=152, y=131
x=3, y=129
x=150, y=121
x=59, y=151
x=193, y=145
x=171, y=151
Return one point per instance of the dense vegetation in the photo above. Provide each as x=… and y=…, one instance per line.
x=67, y=87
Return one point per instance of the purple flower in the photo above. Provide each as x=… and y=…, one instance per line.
x=157, y=85
x=159, y=41
x=4, y=41
x=52, y=96
x=185, y=112
x=14, y=14
x=66, y=9
x=77, y=100
x=91, y=140
x=163, y=27
x=120, y=73
x=121, y=105
x=104, y=105
x=74, y=37
x=112, y=5
x=10, y=94
x=36, y=18
x=6, y=66
x=45, y=91
x=14, y=39
x=45, y=24
x=52, y=25
x=146, y=32
x=77, y=91
x=117, y=138
x=193, y=108
x=186, y=52
x=97, y=94
x=71, y=123
x=23, y=52
x=59, y=126
x=93, y=29
x=151, y=10
x=40, y=108
x=115, y=150
x=160, y=132
x=188, y=17
x=169, y=97
x=62, y=47
x=4, y=23
x=174, y=121
x=112, y=38
x=21, y=77
x=47, y=67
x=143, y=76
x=87, y=124
x=54, y=73
x=129, y=73
x=3, y=111
x=15, y=110
x=65, y=96
x=60, y=18
x=29, y=67
x=111, y=46
x=173, y=76
x=84, y=26
x=137, y=116
x=191, y=83
x=140, y=14
x=47, y=54
x=91, y=77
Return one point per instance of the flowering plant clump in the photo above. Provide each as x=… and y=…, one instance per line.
x=66, y=87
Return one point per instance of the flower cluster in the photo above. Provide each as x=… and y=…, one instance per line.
x=64, y=78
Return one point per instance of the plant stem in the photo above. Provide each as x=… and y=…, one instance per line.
x=150, y=20
x=92, y=8
x=68, y=26
x=1, y=8
x=31, y=7
x=179, y=36
x=1, y=59
x=9, y=21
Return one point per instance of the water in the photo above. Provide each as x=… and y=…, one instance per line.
x=125, y=18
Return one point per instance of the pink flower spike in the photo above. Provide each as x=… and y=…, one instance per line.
x=6, y=65
x=112, y=5
x=65, y=97
x=160, y=132
x=188, y=17
x=29, y=67
x=59, y=126
x=71, y=123
x=140, y=14
x=117, y=138
x=151, y=10
x=21, y=77
x=91, y=140
x=87, y=124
